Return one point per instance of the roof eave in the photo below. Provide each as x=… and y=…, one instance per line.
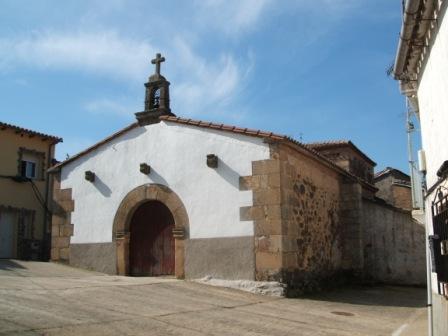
x=31, y=133
x=417, y=18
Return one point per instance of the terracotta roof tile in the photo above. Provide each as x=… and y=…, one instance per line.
x=19, y=129
x=270, y=135
x=93, y=147
x=318, y=146
x=226, y=128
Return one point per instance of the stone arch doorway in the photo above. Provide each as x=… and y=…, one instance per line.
x=129, y=206
x=151, y=241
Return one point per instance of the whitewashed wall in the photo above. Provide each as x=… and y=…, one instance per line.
x=433, y=105
x=177, y=156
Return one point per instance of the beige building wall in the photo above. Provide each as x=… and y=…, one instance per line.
x=16, y=197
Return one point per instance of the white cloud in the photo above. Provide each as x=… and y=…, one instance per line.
x=206, y=85
x=231, y=16
x=200, y=83
x=102, y=52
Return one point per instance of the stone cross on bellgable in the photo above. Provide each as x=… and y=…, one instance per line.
x=159, y=59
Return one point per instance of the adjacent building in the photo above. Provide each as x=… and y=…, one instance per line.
x=394, y=187
x=25, y=192
x=421, y=67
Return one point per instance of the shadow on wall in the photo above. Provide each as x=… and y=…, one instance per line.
x=394, y=245
x=155, y=177
x=386, y=296
x=102, y=187
x=227, y=173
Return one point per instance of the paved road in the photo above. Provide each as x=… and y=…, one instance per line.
x=50, y=299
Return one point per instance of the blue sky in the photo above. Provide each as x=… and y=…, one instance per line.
x=309, y=69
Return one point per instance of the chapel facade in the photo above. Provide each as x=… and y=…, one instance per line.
x=168, y=195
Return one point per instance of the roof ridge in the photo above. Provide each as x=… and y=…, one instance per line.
x=19, y=129
x=94, y=146
x=225, y=128
x=336, y=143
x=339, y=141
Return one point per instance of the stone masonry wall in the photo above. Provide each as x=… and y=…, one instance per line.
x=351, y=217
x=314, y=227
x=311, y=235
x=62, y=228
x=393, y=244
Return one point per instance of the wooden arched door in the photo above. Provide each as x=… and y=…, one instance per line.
x=151, y=246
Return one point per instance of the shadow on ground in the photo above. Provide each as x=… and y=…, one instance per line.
x=9, y=265
x=389, y=296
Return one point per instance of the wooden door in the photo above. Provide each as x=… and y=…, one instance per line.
x=151, y=241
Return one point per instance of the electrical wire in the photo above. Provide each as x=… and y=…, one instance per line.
x=37, y=194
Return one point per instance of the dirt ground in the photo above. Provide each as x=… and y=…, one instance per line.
x=50, y=299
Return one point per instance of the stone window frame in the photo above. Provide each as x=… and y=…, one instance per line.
x=41, y=165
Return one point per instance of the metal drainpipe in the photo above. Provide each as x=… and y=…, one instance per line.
x=46, y=240
x=426, y=222
x=428, y=278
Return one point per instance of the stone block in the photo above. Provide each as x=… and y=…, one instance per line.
x=254, y=182
x=56, y=178
x=67, y=205
x=272, y=243
x=120, y=219
x=54, y=254
x=173, y=202
x=273, y=211
x=55, y=231
x=64, y=253
x=263, y=181
x=151, y=193
x=268, y=227
x=264, y=167
x=180, y=259
x=267, y=196
x=63, y=194
x=56, y=209
x=274, y=180
x=247, y=183
x=163, y=196
x=122, y=248
x=267, y=260
x=288, y=170
x=249, y=213
x=60, y=242
x=67, y=230
x=133, y=198
x=181, y=219
x=58, y=220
